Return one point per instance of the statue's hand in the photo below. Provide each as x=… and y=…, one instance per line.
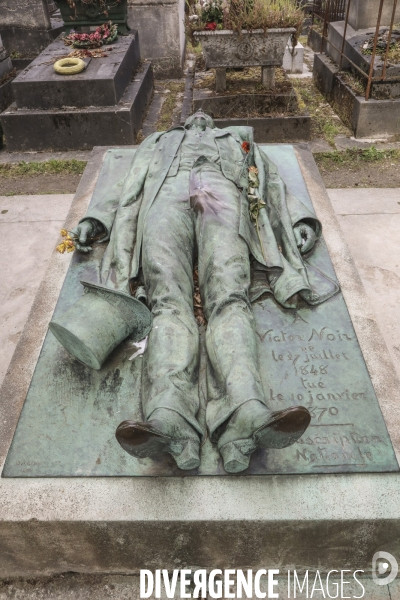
x=305, y=237
x=84, y=233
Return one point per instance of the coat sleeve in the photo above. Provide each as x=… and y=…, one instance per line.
x=283, y=211
x=126, y=190
x=297, y=211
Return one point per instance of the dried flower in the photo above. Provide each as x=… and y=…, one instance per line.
x=67, y=245
x=105, y=34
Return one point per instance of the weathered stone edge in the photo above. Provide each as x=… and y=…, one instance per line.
x=379, y=363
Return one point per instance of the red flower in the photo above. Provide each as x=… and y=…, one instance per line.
x=211, y=26
x=246, y=147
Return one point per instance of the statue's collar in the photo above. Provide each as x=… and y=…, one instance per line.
x=219, y=132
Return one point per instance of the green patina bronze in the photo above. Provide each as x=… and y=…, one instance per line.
x=121, y=316
x=308, y=355
x=295, y=346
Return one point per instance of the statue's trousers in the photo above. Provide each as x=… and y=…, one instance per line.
x=195, y=216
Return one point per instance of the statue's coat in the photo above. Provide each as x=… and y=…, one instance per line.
x=280, y=268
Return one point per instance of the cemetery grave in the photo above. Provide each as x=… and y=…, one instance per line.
x=79, y=517
x=103, y=103
x=359, y=69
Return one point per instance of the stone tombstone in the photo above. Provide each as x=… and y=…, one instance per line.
x=31, y=14
x=161, y=24
x=26, y=27
x=364, y=13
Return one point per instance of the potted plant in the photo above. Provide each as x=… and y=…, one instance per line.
x=244, y=33
x=92, y=13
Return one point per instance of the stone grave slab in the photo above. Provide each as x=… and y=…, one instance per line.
x=309, y=356
x=123, y=524
x=83, y=128
x=102, y=83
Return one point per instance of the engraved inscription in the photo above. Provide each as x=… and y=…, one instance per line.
x=313, y=364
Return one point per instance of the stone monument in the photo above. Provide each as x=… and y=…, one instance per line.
x=166, y=49
x=378, y=115
x=69, y=489
x=26, y=26
x=207, y=204
x=105, y=103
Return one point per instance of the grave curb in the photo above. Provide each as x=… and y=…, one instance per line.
x=81, y=129
x=372, y=118
x=120, y=525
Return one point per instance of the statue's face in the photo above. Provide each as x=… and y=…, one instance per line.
x=199, y=122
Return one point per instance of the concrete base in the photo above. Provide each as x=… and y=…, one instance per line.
x=375, y=118
x=5, y=90
x=335, y=41
x=119, y=525
x=352, y=50
x=29, y=42
x=162, y=33
x=37, y=219
x=293, y=61
x=80, y=129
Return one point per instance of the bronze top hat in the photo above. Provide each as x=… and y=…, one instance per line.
x=98, y=322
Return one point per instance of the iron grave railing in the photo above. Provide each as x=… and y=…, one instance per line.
x=329, y=11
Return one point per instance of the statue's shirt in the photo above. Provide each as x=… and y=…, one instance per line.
x=198, y=143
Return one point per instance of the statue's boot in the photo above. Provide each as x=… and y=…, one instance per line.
x=166, y=431
x=253, y=426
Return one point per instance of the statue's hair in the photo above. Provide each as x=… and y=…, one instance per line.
x=210, y=123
